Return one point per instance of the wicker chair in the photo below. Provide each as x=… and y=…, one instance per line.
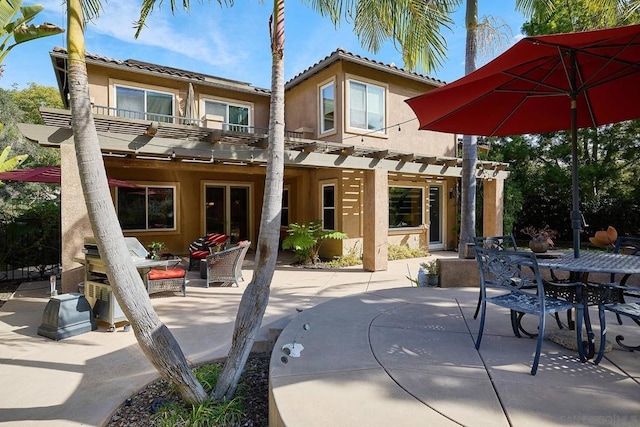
x=200, y=248
x=169, y=280
x=225, y=267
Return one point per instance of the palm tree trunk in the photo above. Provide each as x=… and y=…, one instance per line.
x=255, y=298
x=469, y=146
x=156, y=341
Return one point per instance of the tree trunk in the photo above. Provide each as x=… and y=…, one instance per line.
x=469, y=146
x=156, y=341
x=256, y=296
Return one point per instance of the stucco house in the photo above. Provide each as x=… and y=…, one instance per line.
x=196, y=146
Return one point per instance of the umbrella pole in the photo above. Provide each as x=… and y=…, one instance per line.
x=575, y=213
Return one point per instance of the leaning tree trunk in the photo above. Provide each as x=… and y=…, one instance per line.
x=256, y=296
x=156, y=341
x=469, y=146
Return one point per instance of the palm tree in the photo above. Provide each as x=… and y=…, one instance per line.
x=611, y=9
x=413, y=24
x=155, y=339
x=17, y=28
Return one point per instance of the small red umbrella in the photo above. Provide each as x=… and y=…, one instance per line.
x=50, y=175
x=544, y=84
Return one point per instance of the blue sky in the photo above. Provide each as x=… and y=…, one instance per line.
x=225, y=42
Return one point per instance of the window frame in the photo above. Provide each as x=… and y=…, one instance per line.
x=145, y=89
x=422, y=206
x=147, y=187
x=385, y=94
x=321, y=87
x=334, y=208
x=231, y=103
x=286, y=200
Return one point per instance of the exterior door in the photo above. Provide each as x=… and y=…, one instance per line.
x=435, y=217
x=227, y=210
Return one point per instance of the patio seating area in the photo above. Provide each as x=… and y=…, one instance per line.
x=378, y=351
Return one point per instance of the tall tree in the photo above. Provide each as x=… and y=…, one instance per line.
x=13, y=26
x=155, y=339
x=608, y=10
x=415, y=26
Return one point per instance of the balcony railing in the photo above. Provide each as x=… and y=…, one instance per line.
x=165, y=118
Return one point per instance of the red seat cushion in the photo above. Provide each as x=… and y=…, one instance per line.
x=199, y=254
x=171, y=273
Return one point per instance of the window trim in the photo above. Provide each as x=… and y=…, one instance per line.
x=329, y=183
x=229, y=102
x=423, y=208
x=113, y=102
x=176, y=198
x=321, y=87
x=286, y=191
x=367, y=82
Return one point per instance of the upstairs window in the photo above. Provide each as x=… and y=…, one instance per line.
x=147, y=208
x=327, y=108
x=144, y=104
x=235, y=118
x=366, y=106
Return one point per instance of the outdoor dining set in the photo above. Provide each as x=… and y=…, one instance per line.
x=512, y=278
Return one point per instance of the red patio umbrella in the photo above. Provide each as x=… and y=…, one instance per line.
x=50, y=175
x=544, y=84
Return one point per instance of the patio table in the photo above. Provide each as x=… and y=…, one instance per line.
x=591, y=262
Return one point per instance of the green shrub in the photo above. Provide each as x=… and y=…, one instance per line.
x=207, y=413
x=403, y=252
x=350, y=259
x=306, y=239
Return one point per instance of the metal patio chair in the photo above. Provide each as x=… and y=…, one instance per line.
x=614, y=302
x=628, y=246
x=497, y=243
x=522, y=291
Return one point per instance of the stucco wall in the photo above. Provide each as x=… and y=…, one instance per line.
x=102, y=80
x=302, y=104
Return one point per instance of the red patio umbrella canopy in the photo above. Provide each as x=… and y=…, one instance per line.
x=528, y=89
x=50, y=175
x=544, y=84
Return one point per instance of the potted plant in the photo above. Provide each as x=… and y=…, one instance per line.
x=429, y=273
x=156, y=249
x=541, y=238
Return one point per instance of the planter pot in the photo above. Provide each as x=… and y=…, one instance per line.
x=433, y=279
x=538, y=247
x=422, y=277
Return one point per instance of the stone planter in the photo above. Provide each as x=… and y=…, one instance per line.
x=423, y=277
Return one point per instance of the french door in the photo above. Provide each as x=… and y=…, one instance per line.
x=227, y=210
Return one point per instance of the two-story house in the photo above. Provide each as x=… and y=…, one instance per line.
x=195, y=145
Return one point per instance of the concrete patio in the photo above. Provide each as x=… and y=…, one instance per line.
x=378, y=352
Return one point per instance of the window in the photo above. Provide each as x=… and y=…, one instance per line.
x=405, y=207
x=284, y=216
x=144, y=104
x=329, y=207
x=327, y=108
x=235, y=118
x=366, y=106
x=146, y=208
